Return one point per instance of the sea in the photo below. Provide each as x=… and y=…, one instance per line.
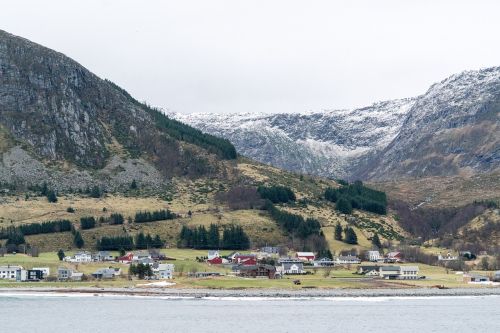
x=90, y=313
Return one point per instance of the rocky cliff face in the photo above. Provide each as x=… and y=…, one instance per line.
x=453, y=129
x=57, y=118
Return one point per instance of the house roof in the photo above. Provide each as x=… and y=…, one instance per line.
x=369, y=268
x=389, y=268
x=253, y=267
x=305, y=254
x=409, y=268
x=165, y=267
x=348, y=258
x=287, y=265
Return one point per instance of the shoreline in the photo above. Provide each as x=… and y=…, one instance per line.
x=255, y=293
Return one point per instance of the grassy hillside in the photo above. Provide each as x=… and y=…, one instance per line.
x=200, y=198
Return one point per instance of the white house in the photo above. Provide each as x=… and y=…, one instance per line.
x=103, y=256
x=324, y=262
x=10, y=272
x=140, y=256
x=64, y=274
x=347, y=260
x=373, y=256
x=292, y=268
x=369, y=270
x=213, y=254
x=399, y=272
x=448, y=257
x=82, y=256
x=408, y=272
x=107, y=273
x=44, y=270
x=164, y=271
x=390, y=272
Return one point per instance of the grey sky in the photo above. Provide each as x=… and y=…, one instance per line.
x=265, y=56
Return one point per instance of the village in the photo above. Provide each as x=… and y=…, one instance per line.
x=223, y=269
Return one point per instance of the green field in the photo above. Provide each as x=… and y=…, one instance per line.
x=339, y=277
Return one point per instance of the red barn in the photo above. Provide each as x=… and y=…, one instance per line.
x=126, y=259
x=245, y=259
x=215, y=261
x=305, y=256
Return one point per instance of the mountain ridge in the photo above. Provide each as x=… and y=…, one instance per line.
x=434, y=134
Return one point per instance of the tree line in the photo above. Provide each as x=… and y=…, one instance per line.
x=357, y=196
x=276, y=194
x=177, y=130
x=127, y=243
x=293, y=223
x=233, y=238
x=157, y=215
x=38, y=228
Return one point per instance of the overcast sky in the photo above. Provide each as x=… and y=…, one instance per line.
x=265, y=56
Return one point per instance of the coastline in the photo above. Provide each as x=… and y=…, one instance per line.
x=253, y=293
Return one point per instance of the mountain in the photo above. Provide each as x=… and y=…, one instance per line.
x=324, y=143
x=452, y=129
x=62, y=124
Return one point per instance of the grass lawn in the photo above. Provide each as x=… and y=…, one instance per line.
x=339, y=277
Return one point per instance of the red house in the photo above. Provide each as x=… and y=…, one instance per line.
x=126, y=259
x=245, y=259
x=215, y=261
x=305, y=256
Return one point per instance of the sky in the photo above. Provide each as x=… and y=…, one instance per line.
x=265, y=56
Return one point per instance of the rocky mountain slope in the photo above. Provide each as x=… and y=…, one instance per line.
x=326, y=143
x=452, y=129
x=61, y=123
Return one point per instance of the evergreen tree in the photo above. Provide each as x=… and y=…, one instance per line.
x=45, y=189
x=140, y=241
x=213, y=236
x=133, y=186
x=376, y=241
x=350, y=236
x=344, y=206
x=78, y=240
x=51, y=196
x=87, y=222
x=95, y=192
x=60, y=254
x=338, y=232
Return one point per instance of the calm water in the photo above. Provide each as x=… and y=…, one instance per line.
x=133, y=314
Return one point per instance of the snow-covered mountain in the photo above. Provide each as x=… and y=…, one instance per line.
x=451, y=129
x=324, y=143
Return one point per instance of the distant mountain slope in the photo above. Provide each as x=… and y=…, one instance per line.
x=453, y=129
x=59, y=122
x=328, y=143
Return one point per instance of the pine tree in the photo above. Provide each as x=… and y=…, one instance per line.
x=78, y=240
x=213, y=237
x=376, y=241
x=344, y=206
x=338, y=232
x=350, y=236
x=60, y=254
x=140, y=241
x=51, y=196
x=133, y=186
